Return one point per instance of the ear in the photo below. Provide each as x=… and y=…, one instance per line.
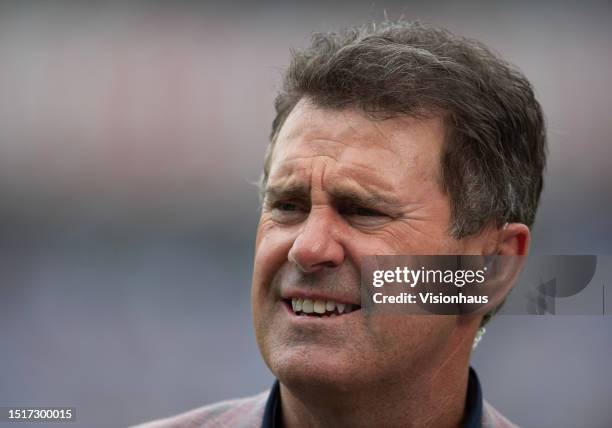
x=514, y=240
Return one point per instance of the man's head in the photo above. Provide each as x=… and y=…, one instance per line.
x=397, y=139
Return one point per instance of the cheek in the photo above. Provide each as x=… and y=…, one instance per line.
x=399, y=239
x=272, y=246
x=423, y=237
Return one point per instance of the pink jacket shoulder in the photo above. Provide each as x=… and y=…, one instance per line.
x=248, y=413
x=239, y=413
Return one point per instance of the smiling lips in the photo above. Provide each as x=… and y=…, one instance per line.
x=321, y=308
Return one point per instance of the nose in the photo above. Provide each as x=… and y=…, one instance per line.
x=317, y=246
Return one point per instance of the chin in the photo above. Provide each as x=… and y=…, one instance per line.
x=319, y=369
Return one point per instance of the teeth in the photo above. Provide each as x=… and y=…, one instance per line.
x=324, y=308
x=319, y=306
x=307, y=306
x=296, y=304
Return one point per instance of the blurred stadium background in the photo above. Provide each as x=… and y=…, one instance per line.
x=130, y=136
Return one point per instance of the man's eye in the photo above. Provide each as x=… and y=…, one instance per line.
x=365, y=217
x=363, y=212
x=286, y=206
x=288, y=212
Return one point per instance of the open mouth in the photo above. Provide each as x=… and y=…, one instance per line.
x=320, y=308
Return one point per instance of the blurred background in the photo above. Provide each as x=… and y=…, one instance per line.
x=130, y=136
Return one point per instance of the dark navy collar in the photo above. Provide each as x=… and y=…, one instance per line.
x=273, y=417
x=472, y=417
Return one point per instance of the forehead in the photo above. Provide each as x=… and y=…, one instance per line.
x=386, y=153
x=349, y=133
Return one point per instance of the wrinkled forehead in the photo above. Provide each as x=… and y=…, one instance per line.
x=385, y=152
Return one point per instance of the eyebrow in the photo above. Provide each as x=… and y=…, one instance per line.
x=339, y=195
x=292, y=191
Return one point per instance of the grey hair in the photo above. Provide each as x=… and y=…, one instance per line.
x=495, y=151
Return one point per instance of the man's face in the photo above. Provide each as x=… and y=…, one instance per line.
x=341, y=187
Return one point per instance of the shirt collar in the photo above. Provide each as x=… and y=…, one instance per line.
x=272, y=417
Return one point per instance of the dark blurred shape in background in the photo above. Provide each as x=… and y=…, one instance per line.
x=130, y=136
